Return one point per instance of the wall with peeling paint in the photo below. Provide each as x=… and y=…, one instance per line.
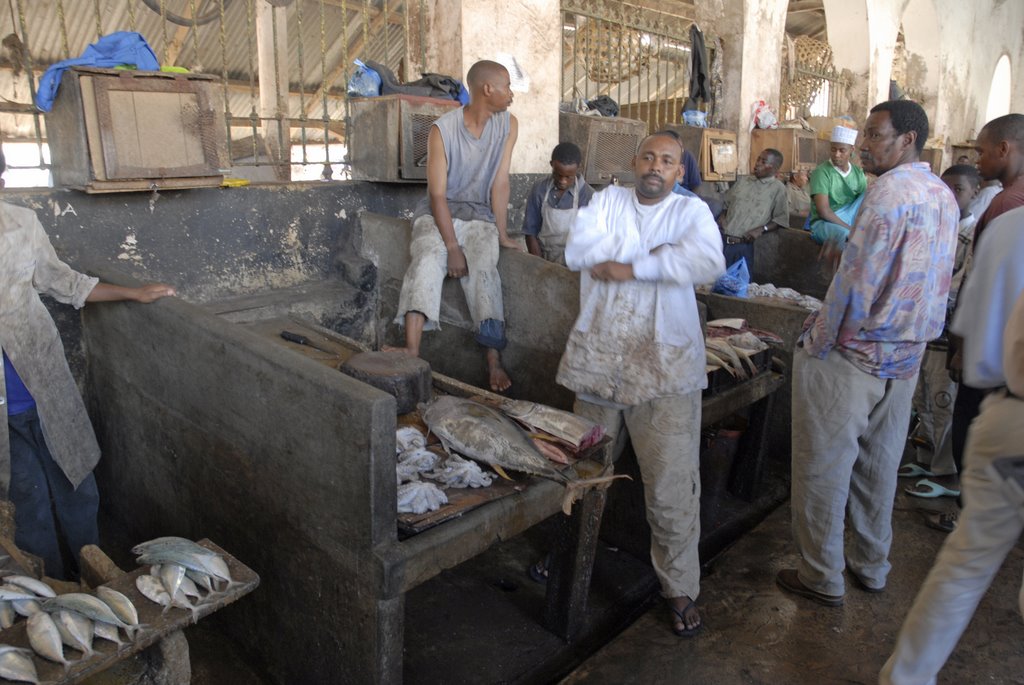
x=216, y=243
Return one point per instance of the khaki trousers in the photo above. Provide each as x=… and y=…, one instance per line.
x=989, y=527
x=666, y=438
x=849, y=428
x=421, y=286
x=933, y=401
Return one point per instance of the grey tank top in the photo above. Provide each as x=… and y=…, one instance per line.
x=472, y=165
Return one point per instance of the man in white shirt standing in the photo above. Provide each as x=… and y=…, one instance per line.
x=635, y=356
x=990, y=317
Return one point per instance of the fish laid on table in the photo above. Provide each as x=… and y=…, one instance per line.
x=185, y=553
x=16, y=664
x=45, y=638
x=7, y=614
x=153, y=589
x=564, y=425
x=486, y=435
x=78, y=628
x=87, y=605
x=36, y=587
x=121, y=606
x=105, y=631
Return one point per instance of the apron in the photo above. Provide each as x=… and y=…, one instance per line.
x=555, y=224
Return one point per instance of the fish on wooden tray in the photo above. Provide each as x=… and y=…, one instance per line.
x=485, y=434
x=572, y=428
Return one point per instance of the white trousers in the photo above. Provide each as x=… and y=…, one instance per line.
x=849, y=428
x=989, y=527
x=666, y=438
x=421, y=286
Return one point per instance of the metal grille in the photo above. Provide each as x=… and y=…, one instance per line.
x=421, y=124
x=283, y=66
x=638, y=56
x=811, y=86
x=614, y=151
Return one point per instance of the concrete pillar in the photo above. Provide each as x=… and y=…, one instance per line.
x=272, y=53
x=764, y=27
x=458, y=33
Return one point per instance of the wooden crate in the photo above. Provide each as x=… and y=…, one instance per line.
x=608, y=144
x=113, y=130
x=389, y=136
x=799, y=148
x=714, y=148
x=964, y=148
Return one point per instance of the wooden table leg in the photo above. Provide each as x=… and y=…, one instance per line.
x=572, y=565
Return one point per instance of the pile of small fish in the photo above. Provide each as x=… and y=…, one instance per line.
x=178, y=568
x=727, y=349
x=74, y=620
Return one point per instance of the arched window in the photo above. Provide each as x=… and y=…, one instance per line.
x=999, y=93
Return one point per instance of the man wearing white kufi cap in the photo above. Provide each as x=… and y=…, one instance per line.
x=837, y=187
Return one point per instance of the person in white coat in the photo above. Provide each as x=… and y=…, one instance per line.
x=635, y=356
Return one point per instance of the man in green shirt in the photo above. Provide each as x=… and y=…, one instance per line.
x=837, y=187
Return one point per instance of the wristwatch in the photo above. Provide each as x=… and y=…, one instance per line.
x=764, y=229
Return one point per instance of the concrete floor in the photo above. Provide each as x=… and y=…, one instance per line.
x=754, y=633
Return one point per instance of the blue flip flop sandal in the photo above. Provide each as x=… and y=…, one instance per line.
x=932, y=491
x=913, y=471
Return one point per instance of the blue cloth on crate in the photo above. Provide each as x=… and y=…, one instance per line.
x=492, y=334
x=19, y=399
x=122, y=47
x=825, y=231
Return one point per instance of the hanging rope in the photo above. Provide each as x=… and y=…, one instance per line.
x=158, y=7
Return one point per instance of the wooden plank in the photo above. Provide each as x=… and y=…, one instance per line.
x=157, y=624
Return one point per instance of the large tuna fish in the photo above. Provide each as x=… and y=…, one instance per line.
x=486, y=435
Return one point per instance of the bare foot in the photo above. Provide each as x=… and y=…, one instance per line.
x=686, y=619
x=500, y=381
x=404, y=350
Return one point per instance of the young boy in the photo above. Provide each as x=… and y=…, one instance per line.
x=47, y=446
x=936, y=392
x=553, y=202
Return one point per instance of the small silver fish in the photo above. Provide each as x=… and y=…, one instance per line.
x=26, y=607
x=87, y=605
x=153, y=590
x=78, y=627
x=210, y=565
x=170, y=576
x=9, y=592
x=189, y=589
x=45, y=638
x=105, y=631
x=201, y=579
x=119, y=604
x=37, y=587
x=16, y=664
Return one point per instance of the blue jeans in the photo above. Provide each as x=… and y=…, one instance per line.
x=48, y=510
x=733, y=254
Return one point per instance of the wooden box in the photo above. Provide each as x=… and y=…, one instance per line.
x=714, y=148
x=388, y=140
x=608, y=144
x=799, y=148
x=113, y=130
x=962, y=149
